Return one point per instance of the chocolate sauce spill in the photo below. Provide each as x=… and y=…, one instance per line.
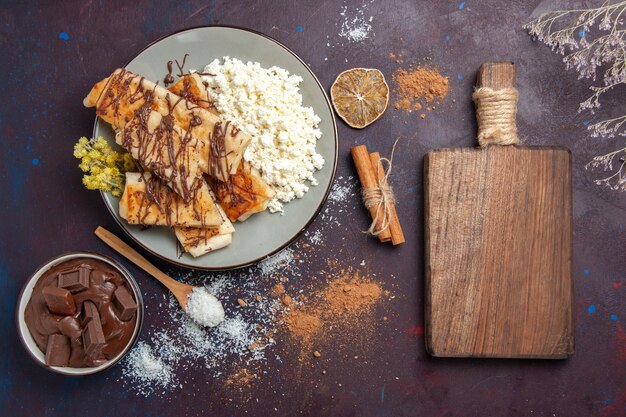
x=169, y=78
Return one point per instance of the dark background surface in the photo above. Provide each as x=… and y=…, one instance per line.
x=45, y=210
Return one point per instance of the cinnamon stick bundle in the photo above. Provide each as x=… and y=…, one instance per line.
x=397, y=236
x=371, y=175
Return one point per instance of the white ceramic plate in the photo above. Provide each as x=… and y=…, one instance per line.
x=263, y=234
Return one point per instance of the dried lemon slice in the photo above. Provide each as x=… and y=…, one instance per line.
x=360, y=96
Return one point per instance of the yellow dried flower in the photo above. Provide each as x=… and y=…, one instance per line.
x=111, y=160
x=128, y=163
x=104, y=168
x=80, y=149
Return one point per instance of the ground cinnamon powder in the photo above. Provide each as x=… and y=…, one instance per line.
x=343, y=301
x=303, y=325
x=241, y=378
x=349, y=297
x=418, y=84
x=277, y=291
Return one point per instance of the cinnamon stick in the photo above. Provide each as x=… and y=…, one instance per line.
x=397, y=237
x=367, y=176
x=377, y=167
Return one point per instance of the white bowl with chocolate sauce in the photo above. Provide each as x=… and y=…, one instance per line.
x=79, y=313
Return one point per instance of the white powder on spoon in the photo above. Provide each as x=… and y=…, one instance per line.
x=204, y=308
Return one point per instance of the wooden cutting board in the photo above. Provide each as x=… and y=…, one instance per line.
x=498, y=229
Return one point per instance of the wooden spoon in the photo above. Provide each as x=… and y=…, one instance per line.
x=181, y=291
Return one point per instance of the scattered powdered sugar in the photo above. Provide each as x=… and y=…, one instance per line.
x=342, y=198
x=355, y=26
x=238, y=333
x=342, y=190
x=204, y=308
x=279, y=260
x=315, y=238
x=147, y=372
x=177, y=353
x=177, y=344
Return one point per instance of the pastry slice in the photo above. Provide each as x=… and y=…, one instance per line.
x=192, y=88
x=148, y=201
x=198, y=241
x=124, y=98
x=166, y=150
x=245, y=194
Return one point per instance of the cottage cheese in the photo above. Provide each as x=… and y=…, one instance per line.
x=267, y=104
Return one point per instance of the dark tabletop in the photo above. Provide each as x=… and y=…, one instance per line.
x=52, y=52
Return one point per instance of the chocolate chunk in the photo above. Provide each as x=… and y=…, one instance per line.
x=93, y=336
x=75, y=280
x=90, y=310
x=70, y=327
x=125, y=305
x=58, y=350
x=59, y=300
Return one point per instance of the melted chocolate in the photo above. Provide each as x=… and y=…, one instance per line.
x=195, y=121
x=201, y=236
x=217, y=151
x=237, y=195
x=181, y=66
x=158, y=194
x=169, y=79
x=192, y=99
x=104, y=280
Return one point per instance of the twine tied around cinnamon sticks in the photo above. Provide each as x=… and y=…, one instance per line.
x=377, y=194
x=379, y=197
x=495, y=113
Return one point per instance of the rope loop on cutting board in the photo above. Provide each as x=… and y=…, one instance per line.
x=496, y=111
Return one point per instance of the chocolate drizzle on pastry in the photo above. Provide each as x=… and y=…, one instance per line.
x=180, y=66
x=119, y=97
x=169, y=78
x=148, y=200
x=190, y=92
x=217, y=151
x=160, y=146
